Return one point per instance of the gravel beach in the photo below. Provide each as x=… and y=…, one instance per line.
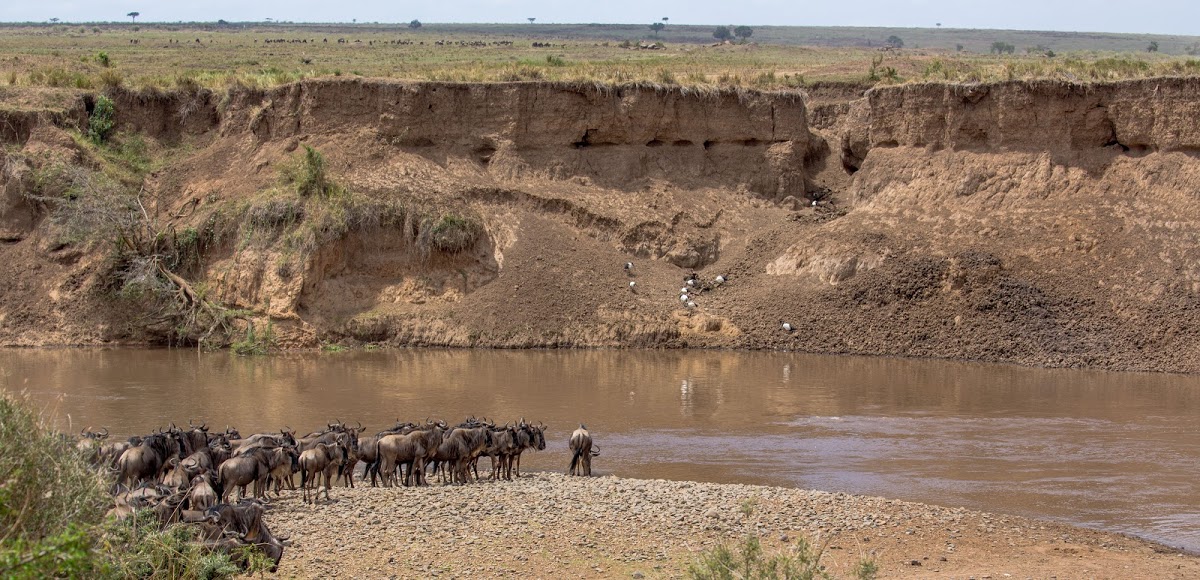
x=546, y=525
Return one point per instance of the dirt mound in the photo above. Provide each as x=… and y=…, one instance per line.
x=1040, y=223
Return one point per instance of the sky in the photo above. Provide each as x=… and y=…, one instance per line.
x=1145, y=16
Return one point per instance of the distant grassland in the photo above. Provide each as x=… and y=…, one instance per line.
x=92, y=56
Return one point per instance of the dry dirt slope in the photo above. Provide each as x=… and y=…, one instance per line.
x=1036, y=223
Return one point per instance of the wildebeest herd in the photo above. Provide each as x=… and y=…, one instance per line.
x=189, y=474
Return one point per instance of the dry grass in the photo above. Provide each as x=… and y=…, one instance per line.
x=170, y=57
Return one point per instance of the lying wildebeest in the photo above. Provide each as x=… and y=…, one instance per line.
x=145, y=462
x=581, y=452
x=203, y=495
x=245, y=521
x=323, y=459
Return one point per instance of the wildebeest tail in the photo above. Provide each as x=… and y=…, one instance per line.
x=575, y=459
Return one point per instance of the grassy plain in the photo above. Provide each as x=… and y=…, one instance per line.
x=160, y=55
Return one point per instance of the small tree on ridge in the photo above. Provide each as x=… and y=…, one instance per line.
x=133, y=16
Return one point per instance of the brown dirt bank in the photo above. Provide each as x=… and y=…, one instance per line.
x=1038, y=223
x=551, y=526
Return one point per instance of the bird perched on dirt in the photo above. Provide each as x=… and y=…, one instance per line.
x=629, y=268
x=632, y=284
x=787, y=327
x=719, y=280
x=683, y=298
x=691, y=304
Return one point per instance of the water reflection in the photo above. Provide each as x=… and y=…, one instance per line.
x=1111, y=450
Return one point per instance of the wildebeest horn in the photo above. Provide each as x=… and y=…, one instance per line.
x=84, y=431
x=105, y=432
x=360, y=426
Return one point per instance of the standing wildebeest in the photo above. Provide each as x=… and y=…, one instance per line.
x=412, y=449
x=458, y=449
x=251, y=468
x=581, y=452
x=90, y=443
x=528, y=437
x=284, y=462
x=145, y=462
x=501, y=452
x=323, y=459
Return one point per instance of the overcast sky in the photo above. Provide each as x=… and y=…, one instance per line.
x=1145, y=16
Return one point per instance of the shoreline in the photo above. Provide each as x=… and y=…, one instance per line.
x=372, y=347
x=547, y=525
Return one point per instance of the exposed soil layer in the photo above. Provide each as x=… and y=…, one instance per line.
x=1038, y=223
x=553, y=526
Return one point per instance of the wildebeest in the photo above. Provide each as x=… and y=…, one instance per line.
x=90, y=443
x=501, y=452
x=202, y=495
x=145, y=462
x=412, y=449
x=284, y=461
x=459, y=448
x=241, y=471
x=581, y=452
x=245, y=521
x=528, y=437
x=323, y=459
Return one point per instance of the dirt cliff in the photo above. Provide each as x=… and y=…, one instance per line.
x=1038, y=223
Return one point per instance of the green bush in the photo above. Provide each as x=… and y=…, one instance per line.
x=453, y=234
x=100, y=122
x=307, y=174
x=255, y=343
x=750, y=563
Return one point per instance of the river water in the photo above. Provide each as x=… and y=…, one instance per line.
x=1113, y=451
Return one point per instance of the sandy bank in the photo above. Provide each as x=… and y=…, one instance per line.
x=551, y=526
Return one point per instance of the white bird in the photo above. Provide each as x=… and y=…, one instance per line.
x=691, y=304
x=691, y=282
x=632, y=284
x=814, y=203
x=787, y=326
x=628, y=265
x=720, y=279
x=683, y=298
x=683, y=290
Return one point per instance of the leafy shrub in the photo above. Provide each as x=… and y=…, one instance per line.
x=255, y=344
x=453, y=234
x=307, y=174
x=750, y=563
x=100, y=122
x=103, y=60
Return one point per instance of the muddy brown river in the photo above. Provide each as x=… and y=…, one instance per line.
x=1114, y=451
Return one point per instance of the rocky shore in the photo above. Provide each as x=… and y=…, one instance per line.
x=545, y=525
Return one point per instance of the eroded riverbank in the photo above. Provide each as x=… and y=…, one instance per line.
x=546, y=525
